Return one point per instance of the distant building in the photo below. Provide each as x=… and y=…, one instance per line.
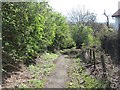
x=117, y=17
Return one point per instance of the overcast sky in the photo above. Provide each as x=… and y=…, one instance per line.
x=96, y=6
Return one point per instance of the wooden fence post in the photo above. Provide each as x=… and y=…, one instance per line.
x=119, y=54
x=94, y=59
x=103, y=65
x=90, y=54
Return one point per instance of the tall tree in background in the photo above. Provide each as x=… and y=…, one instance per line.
x=107, y=19
x=82, y=23
x=81, y=16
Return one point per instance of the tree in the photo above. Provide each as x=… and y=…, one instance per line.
x=107, y=18
x=82, y=16
x=62, y=35
x=24, y=29
x=83, y=35
x=79, y=16
x=30, y=28
x=82, y=25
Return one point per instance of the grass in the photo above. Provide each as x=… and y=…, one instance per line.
x=39, y=71
x=80, y=79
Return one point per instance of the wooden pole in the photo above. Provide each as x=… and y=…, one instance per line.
x=119, y=54
x=103, y=65
x=94, y=58
x=90, y=54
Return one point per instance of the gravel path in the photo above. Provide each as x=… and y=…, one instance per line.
x=59, y=77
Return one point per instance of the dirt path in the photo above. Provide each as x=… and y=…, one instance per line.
x=59, y=77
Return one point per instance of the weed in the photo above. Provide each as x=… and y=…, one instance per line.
x=22, y=85
x=79, y=79
x=36, y=83
x=39, y=69
x=49, y=56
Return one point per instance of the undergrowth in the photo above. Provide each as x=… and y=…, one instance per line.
x=39, y=71
x=80, y=79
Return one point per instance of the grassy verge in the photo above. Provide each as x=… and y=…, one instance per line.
x=45, y=65
x=79, y=78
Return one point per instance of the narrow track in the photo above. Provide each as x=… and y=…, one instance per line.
x=59, y=77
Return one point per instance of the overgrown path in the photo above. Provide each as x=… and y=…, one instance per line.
x=59, y=77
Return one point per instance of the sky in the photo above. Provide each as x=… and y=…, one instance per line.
x=95, y=6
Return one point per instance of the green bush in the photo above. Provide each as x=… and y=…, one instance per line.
x=30, y=28
x=83, y=35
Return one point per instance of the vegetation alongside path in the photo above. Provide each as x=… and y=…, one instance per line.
x=32, y=35
x=64, y=71
x=80, y=77
x=33, y=76
x=82, y=74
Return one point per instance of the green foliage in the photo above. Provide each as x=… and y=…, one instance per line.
x=36, y=83
x=80, y=79
x=23, y=86
x=30, y=28
x=40, y=70
x=45, y=67
x=49, y=56
x=33, y=83
x=22, y=29
x=110, y=33
x=62, y=36
x=83, y=35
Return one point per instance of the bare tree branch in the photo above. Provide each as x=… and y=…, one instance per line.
x=107, y=16
x=81, y=16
